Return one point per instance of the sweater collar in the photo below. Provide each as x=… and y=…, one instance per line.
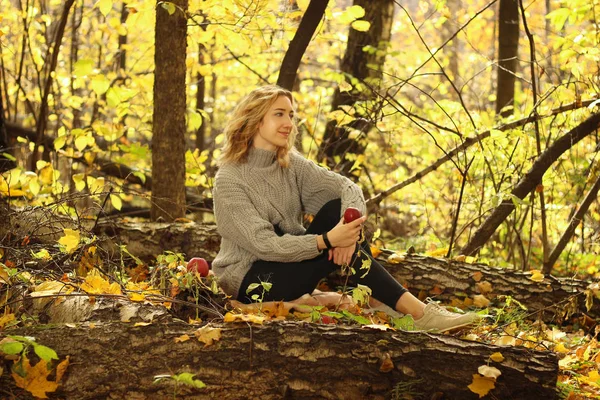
x=260, y=158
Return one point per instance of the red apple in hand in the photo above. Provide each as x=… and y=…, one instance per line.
x=351, y=214
x=199, y=265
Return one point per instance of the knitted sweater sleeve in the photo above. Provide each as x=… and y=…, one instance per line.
x=239, y=221
x=318, y=185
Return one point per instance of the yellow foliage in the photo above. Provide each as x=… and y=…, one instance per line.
x=208, y=335
x=95, y=284
x=36, y=380
x=481, y=385
x=497, y=357
x=256, y=319
x=70, y=241
x=5, y=319
x=182, y=338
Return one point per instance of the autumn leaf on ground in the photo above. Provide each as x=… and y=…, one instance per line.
x=480, y=301
x=95, y=284
x=256, y=319
x=182, y=338
x=489, y=372
x=35, y=380
x=497, y=357
x=70, y=241
x=481, y=385
x=536, y=275
x=208, y=335
x=5, y=319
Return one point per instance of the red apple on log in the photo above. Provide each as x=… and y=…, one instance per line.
x=351, y=214
x=199, y=265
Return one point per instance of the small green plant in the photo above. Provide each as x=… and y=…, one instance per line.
x=21, y=345
x=185, y=378
x=264, y=288
x=361, y=294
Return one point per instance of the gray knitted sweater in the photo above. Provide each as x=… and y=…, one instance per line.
x=250, y=198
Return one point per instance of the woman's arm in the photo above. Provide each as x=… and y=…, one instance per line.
x=238, y=220
x=318, y=185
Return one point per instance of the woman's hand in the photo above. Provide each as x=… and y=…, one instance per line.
x=345, y=235
x=342, y=255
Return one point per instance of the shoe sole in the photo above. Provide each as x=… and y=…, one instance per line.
x=451, y=329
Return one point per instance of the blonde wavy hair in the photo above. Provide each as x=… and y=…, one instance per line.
x=245, y=121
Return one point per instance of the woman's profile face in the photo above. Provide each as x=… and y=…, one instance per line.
x=276, y=125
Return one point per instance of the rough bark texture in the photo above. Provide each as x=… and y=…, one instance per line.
x=530, y=181
x=168, y=132
x=291, y=61
x=5, y=163
x=284, y=360
x=148, y=240
x=452, y=278
x=363, y=66
x=434, y=276
x=508, y=45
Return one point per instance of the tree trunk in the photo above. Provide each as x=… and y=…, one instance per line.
x=168, y=136
x=508, y=45
x=308, y=25
x=5, y=163
x=530, y=181
x=284, y=360
x=200, y=102
x=122, y=59
x=363, y=66
x=431, y=276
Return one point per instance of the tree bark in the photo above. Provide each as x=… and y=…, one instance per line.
x=508, y=46
x=530, y=181
x=284, y=360
x=361, y=65
x=308, y=25
x=5, y=163
x=168, y=136
x=45, y=91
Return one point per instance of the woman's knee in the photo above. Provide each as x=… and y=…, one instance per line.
x=327, y=217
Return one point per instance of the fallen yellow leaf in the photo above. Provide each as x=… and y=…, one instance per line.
x=537, y=277
x=70, y=241
x=497, y=357
x=182, y=338
x=484, y=287
x=481, y=385
x=560, y=348
x=480, y=301
x=489, y=372
x=257, y=319
x=35, y=380
x=395, y=258
x=61, y=368
x=95, y=284
x=142, y=323
x=5, y=319
x=208, y=335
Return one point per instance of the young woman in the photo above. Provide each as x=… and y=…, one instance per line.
x=261, y=189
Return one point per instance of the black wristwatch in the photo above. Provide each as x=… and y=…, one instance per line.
x=326, y=240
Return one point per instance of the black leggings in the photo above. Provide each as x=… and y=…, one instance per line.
x=293, y=279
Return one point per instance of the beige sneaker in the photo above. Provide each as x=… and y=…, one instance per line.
x=438, y=319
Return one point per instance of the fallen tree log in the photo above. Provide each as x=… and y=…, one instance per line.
x=284, y=360
x=437, y=277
